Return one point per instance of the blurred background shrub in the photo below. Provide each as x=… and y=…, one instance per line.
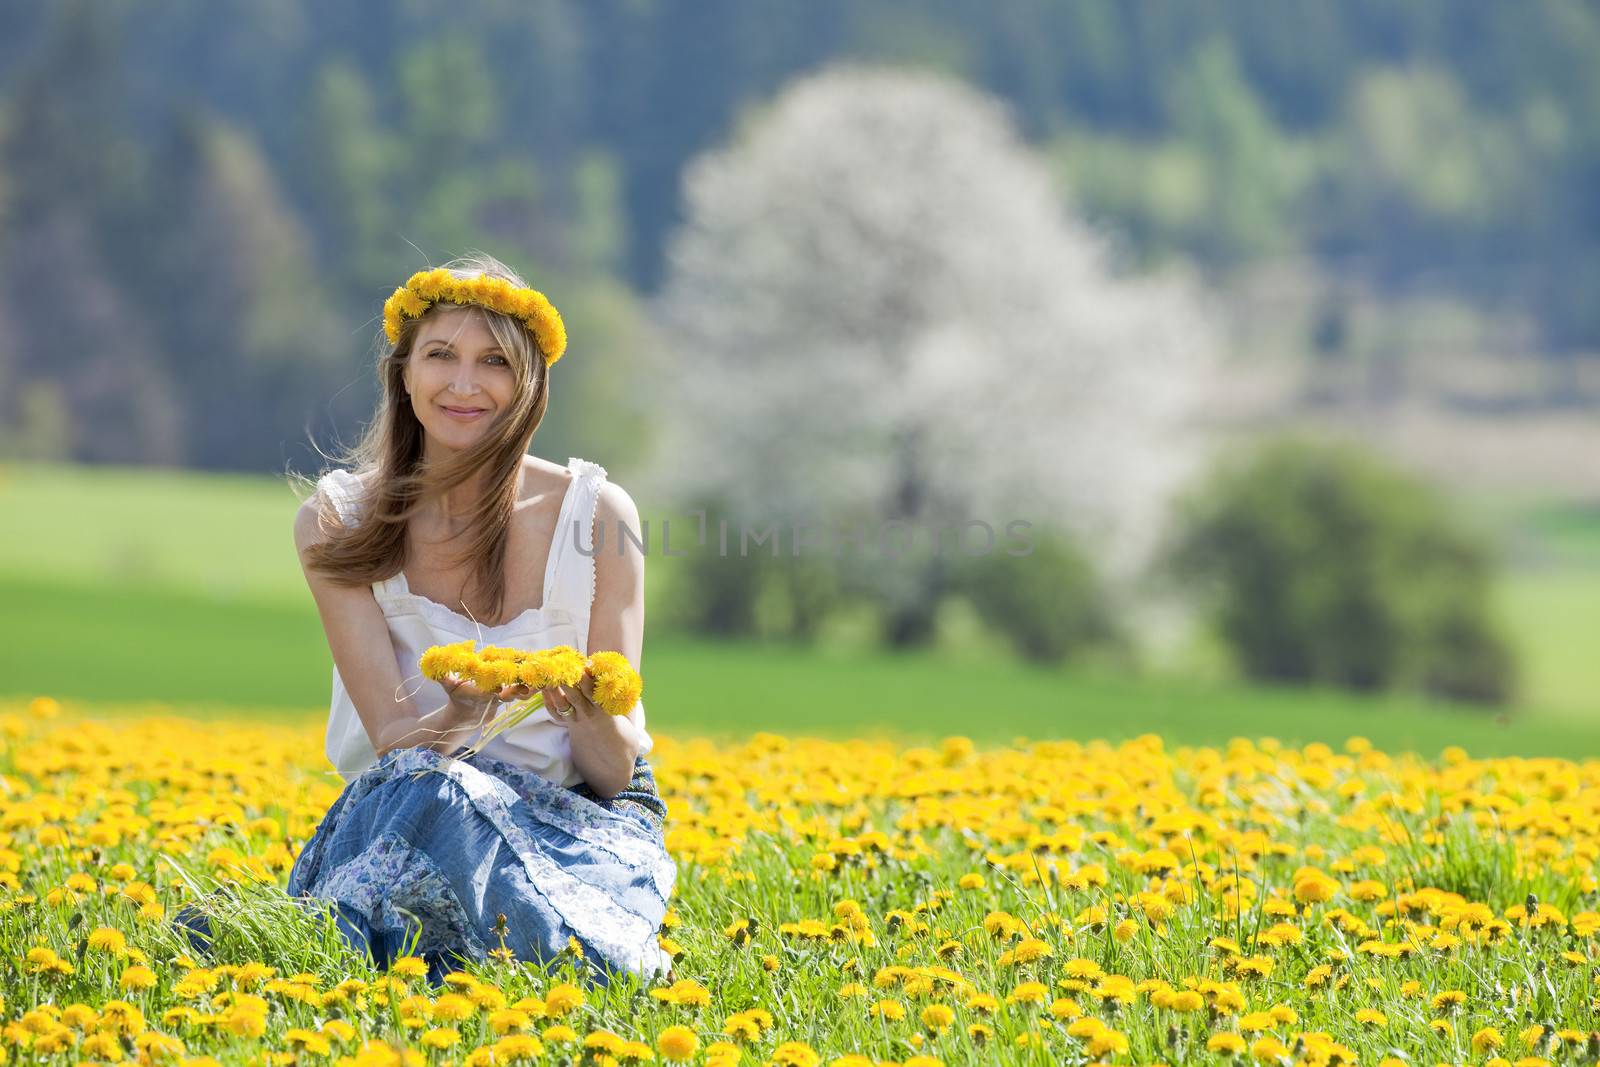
x=1046, y=604
x=1051, y=603
x=1320, y=562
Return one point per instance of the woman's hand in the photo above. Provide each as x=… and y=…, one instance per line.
x=468, y=698
x=572, y=703
x=603, y=746
x=459, y=721
x=471, y=706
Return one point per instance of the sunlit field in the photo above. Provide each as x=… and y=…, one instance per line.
x=126, y=560
x=1114, y=544
x=918, y=858
x=841, y=902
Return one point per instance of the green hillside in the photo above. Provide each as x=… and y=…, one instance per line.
x=183, y=589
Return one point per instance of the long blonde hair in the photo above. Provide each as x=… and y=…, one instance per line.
x=390, y=449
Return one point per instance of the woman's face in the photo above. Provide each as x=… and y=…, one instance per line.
x=459, y=378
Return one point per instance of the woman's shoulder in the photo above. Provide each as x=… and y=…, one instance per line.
x=540, y=476
x=339, y=496
x=613, y=503
x=616, y=519
x=610, y=500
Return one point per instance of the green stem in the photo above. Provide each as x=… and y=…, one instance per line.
x=505, y=721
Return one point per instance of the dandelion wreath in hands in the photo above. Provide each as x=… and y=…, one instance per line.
x=616, y=686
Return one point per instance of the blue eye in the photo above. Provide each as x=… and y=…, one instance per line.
x=446, y=352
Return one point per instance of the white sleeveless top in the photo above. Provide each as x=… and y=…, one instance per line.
x=415, y=623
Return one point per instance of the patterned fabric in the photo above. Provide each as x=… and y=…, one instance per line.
x=426, y=844
x=640, y=796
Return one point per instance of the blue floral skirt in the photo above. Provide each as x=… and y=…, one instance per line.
x=435, y=848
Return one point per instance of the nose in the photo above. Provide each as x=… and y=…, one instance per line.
x=465, y=384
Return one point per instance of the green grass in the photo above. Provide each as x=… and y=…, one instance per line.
x=928, y=695
x=131, y=586
x=1570, y=531
x=134, y=642
x=1549, y=595
x=130, y=645
x=224, y=536
x=1554, y=616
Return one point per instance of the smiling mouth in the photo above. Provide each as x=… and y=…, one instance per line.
x=463, y=411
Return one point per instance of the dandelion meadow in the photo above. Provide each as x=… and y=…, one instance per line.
x=843, y=903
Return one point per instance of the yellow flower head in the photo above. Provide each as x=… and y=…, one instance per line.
x=426, y=288
x=562, y=998
x=550, y=667
x=441, y=660
x=677, y=1043
x=109, y=939
x=492, y=674
x=617, y=686
x=409, y=966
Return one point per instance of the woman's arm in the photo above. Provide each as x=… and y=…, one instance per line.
x=605, y=746
x=358, y=638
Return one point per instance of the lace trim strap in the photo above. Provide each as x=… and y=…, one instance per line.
x=343, y=490
x=573, y=582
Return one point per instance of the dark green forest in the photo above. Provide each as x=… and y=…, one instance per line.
x=202, y=201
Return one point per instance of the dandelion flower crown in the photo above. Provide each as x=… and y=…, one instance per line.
x=427, y=287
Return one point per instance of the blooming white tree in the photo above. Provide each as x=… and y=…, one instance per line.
x=878, y=305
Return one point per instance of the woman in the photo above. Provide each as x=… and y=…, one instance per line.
x=551, y=836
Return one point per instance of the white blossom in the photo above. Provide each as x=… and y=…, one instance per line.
x=881, y=300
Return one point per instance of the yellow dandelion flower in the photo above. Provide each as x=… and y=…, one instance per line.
x=409, y=967
x=514, y=1048
x=617, y=686
x=677, y=1044
x=1030, y=949
x=1065, y=1008
x=795, y=1054
x=1028, y=993
x=1269, y=1049
x=563, y=998
x=110, y=940
x=1487, y=1039
x=440, y=1037
x=453, y=1007
x=137, y=977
